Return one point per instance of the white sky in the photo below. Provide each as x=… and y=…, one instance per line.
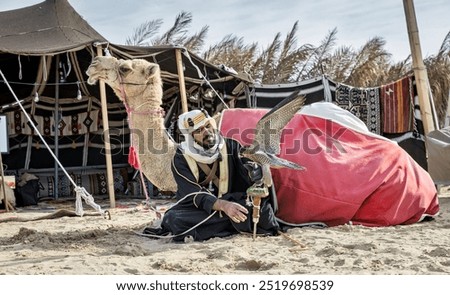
x=260, y=20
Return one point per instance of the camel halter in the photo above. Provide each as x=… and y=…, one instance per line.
x=157, y=112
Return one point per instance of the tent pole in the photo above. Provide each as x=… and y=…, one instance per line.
x=8, y=206
x=180, y=69
x=420, y=72
x=447, y=114
x=57, y=118
x=109, y=169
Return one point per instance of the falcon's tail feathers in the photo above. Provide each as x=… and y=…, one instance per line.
x=283, y=163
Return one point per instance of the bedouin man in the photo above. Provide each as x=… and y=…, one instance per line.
x=212, y=182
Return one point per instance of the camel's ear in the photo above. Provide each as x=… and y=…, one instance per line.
x=151, y=70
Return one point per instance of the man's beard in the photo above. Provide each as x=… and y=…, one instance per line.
x=209, y=140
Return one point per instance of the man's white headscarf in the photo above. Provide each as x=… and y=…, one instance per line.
x=191, y=121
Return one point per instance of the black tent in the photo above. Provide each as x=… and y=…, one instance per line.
x=45, y=50
x=47, y=28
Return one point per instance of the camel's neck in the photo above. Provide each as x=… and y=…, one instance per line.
x=155, y=150
x=149, y=135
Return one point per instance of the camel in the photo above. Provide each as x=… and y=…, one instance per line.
x=138, y=85
x=318, y=195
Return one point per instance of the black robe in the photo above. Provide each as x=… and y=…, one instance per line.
x=194, y=215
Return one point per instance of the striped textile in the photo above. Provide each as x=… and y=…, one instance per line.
x=397, y=105
x=269, y=95
x=75, y=124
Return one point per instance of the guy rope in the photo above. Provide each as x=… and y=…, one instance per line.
x=80, y=191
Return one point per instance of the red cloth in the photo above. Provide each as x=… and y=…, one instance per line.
x=350, y=176
x=133, y=158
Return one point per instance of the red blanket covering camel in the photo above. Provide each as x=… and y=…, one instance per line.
x=353, y=176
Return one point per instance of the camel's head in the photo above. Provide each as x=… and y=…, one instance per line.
x=125, y=76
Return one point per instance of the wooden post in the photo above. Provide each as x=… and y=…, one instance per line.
x=180, y=68
x=109, y=168
x=57, y=119
x=8, y=206
x=4, y=149
x=447, y=115
x=420, y=72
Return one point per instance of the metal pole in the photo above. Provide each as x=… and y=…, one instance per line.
x=420, y=72
x=109, y=168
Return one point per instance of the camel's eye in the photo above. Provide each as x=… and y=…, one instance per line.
x=124, y=70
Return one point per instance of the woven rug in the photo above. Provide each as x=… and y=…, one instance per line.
x=95, y=184
x=364, y=103
x=397, y=103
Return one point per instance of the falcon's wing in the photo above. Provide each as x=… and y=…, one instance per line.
x=269, y=127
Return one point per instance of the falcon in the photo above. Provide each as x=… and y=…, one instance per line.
x=266, y=143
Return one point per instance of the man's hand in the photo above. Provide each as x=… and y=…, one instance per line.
x=235, y=211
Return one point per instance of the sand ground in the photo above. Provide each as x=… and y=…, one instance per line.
x=93, y=245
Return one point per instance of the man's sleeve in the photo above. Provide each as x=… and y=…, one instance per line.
x=188, y=185
x=239, y=163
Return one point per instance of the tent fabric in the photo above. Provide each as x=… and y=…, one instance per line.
x=438, y=145
x=229, y=84
x=352, y=175
x=47, y=28
x=164, y=56
x=53, y=34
